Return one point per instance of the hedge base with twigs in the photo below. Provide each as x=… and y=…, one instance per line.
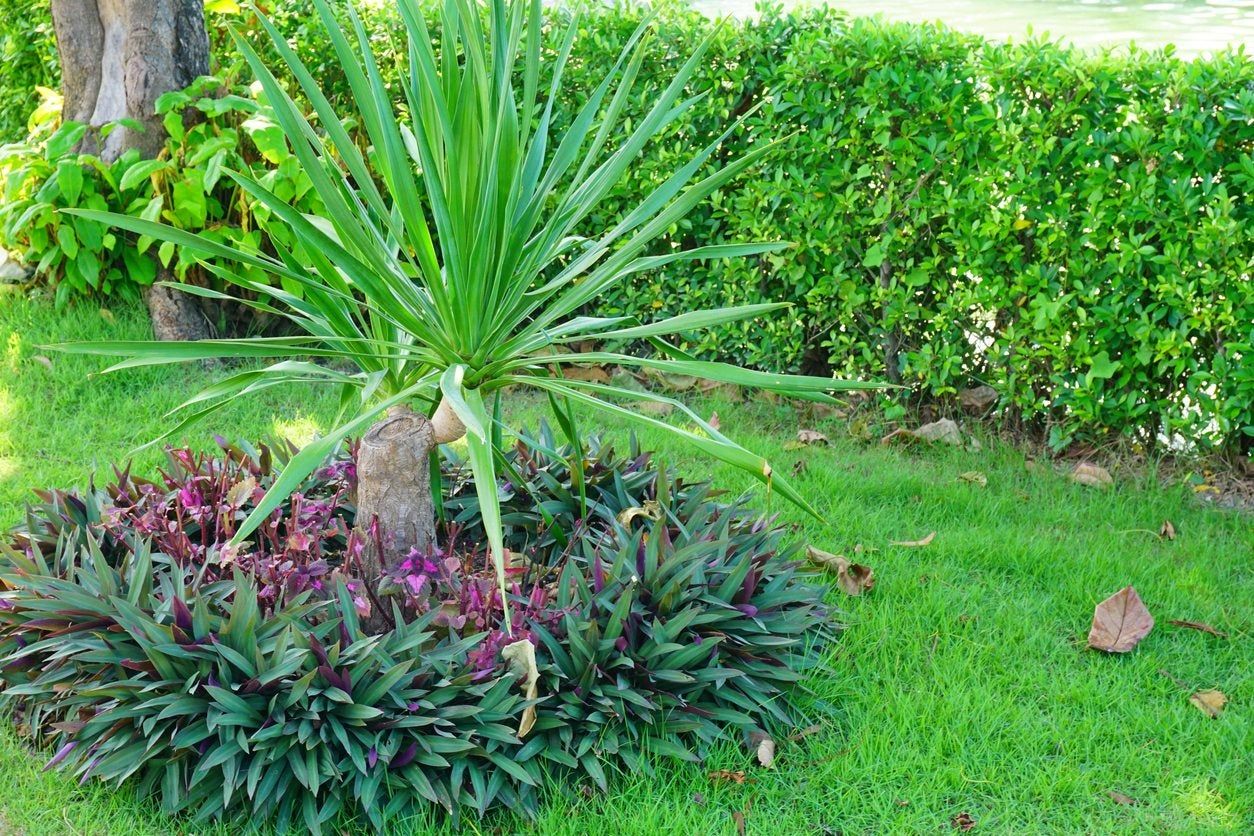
x=142, y=650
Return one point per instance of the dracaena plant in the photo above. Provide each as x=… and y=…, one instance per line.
x=449, y=264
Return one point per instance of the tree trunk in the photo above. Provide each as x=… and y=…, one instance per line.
x=394, y=483
x=394, y=488
x=117, y=58
x=174, y=314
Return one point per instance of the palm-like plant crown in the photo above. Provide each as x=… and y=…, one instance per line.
x=448, y=263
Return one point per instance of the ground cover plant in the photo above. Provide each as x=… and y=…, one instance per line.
x=962, y=681
x=137, y=651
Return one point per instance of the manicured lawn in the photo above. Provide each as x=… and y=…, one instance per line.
x=962, y=683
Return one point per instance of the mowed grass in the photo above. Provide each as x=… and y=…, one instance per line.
x=962, y=682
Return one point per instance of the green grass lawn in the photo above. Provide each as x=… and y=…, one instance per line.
x=963, y=682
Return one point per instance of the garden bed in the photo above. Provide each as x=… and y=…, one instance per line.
x=140, y=647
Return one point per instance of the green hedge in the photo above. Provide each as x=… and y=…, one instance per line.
x=1074, y=230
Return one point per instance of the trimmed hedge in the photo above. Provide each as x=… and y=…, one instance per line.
x=135, y=646
x=1075, y=230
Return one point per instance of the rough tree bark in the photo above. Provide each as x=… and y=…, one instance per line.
x=394, y=482
x=117, y=57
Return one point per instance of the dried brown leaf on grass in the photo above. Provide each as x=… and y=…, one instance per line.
x=943, y=431
x=806, y=438
x=852, y=578
x=963, y=821
x=1091, y=475
x=587, y=374
x=1197, y=625
x=915, y=544
x=1168, y=531
x=763, y=748
x=1210, y=702
x=1120, y=622
x=729, y=776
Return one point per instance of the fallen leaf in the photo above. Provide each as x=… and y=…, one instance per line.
x=1091, y=475
x=915, y=544
x=713, y=422
x=737, y=777
x=521, y=656
x=651, y=510
x=42, y=360
x=978, y=398
x=764, y=748
x=806, y=438
x=739, y=818
x=1120, y=798
x=963, y=821
x=1197, y=625
x=944, y=431
x=974, y=477
x=241, y=492
x=806, y=732
x=1120, y=622
x=1168, y=531
x=852, y=578
x=1210, y=702
x=587, y=374
x=654, y=408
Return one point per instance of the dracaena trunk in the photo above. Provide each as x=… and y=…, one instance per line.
x=394, y=499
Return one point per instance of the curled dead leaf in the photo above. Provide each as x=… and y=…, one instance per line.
x=521, y=657
x=651, y=510
x=974, y=477
x=763, y=748
x=738, y=818
x=944, y=431
x=654, y=408
x=241, y=492
x=915, y=544
x=737, y=777
x=803, y=733
x=852, y=578
x=1091, y=475
x=1197, y=625
x=1168, y=531
x=587, y=374
x=1210, y=702
x=806, y=438
x=963, y=821
x=1120, y=622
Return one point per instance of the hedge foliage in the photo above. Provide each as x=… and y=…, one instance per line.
x=136, y=649
x=1073, y=229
